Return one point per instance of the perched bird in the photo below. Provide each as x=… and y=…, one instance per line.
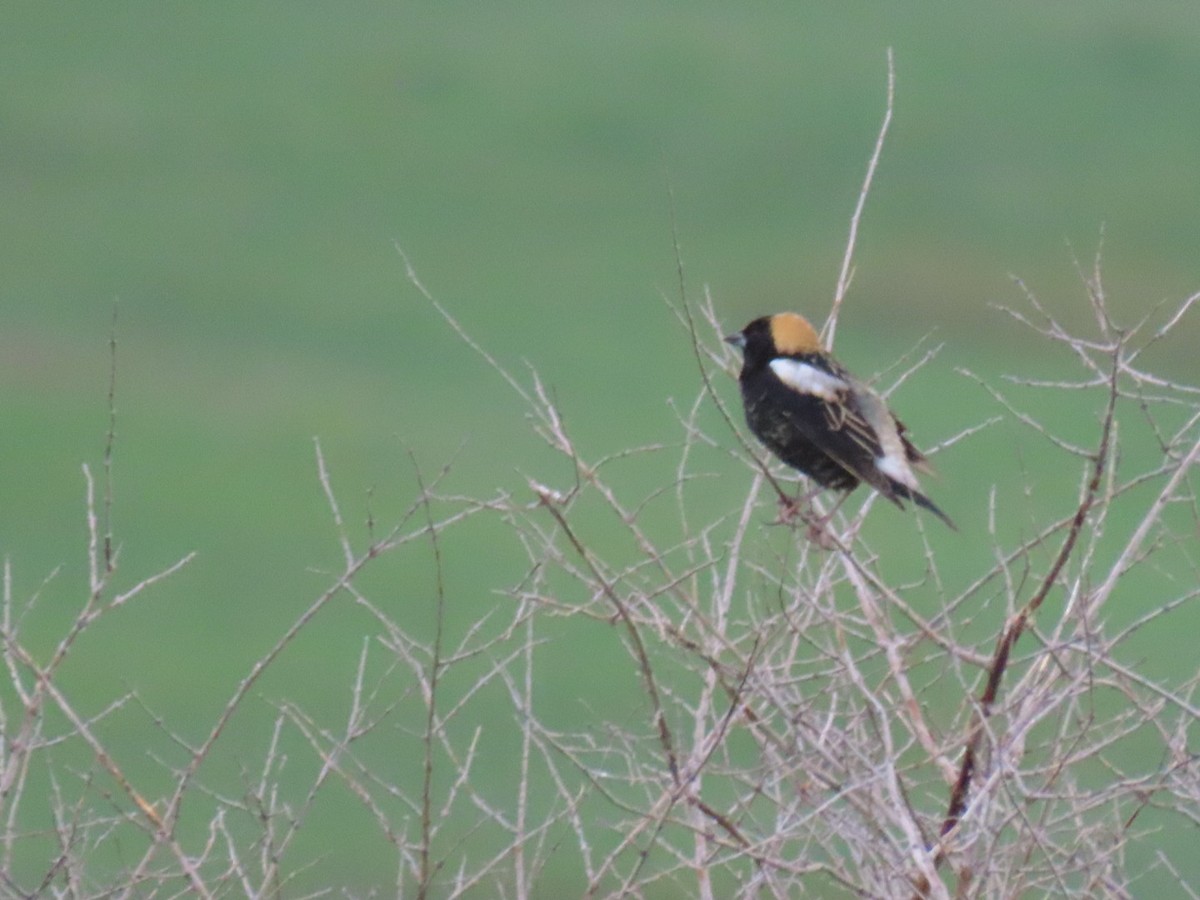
x=816, y=417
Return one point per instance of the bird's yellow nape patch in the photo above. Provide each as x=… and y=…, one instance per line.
x=791, y=333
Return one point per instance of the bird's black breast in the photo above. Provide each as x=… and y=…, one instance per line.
x=782, y=419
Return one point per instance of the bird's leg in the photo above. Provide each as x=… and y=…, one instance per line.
x=817, y=531
x=790, y=508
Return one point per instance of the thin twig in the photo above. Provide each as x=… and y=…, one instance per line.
x=829, y=330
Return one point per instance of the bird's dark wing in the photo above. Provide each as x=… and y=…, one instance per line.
x=837, y=429
x=850, y=426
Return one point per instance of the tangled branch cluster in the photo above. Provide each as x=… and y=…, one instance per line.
x=804, y=723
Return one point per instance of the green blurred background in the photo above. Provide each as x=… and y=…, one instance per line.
x=236, y=177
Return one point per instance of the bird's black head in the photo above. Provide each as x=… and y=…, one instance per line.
x=783, y=334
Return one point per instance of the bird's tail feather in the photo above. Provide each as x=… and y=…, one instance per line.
x=921, y=500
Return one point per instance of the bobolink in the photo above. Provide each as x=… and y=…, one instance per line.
x=816, y=417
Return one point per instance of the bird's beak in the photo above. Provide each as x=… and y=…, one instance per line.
x=737, y=339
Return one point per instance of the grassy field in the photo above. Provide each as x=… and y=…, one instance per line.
x=234, y=180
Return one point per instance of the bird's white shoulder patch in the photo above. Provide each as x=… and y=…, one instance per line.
x=807, y=379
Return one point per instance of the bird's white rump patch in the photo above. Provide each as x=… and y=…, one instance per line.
x=896, y=467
